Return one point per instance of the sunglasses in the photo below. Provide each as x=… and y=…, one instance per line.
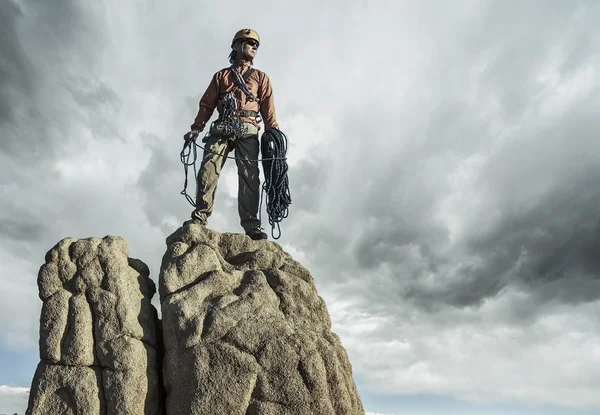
x=252, y=43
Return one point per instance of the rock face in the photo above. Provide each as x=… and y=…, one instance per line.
x=245, y=331
x=98, y=332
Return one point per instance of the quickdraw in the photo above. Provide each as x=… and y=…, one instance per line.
x=228, y=125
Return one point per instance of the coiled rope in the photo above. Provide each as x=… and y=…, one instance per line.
x=276, y=185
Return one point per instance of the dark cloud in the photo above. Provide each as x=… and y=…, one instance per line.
x=92, y=94
x=48, y=90
x=15, y=70
x=517, y=42
x=47, y=75
x=547, y=247
x=20, y=230
x=162, y=179
x=542, y=232
x=307, y=182
x=556, y=242
x=550, y=251
x=98, y=101
x=67, y=20
x=456, y=186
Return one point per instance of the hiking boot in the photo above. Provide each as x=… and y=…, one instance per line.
x=256, y=234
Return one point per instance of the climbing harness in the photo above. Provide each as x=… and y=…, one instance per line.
x=228, y=125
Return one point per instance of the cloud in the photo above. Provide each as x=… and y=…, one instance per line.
x=495, y=353
x=13, y=399
x=15, y=76
x=443, y=164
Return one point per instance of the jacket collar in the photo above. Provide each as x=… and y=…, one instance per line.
x=242, y=64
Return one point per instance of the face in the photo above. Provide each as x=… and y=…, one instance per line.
x=248, y=49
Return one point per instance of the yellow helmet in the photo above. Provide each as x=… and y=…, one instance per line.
x=245, y=34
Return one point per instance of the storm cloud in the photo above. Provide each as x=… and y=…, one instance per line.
x=443, y=170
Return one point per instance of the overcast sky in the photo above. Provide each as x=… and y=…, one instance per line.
x=444, y=169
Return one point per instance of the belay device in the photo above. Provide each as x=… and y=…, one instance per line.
x=273, y=149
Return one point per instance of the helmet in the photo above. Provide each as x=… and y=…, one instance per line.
x=245, y=34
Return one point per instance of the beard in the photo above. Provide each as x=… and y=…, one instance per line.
x=242, y=52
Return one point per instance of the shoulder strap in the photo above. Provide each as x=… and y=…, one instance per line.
x=247, y=74
x=241, y=81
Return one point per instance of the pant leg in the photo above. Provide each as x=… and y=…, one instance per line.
x=208, y=175
x=247, y=148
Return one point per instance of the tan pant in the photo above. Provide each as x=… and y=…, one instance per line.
x=246, y=147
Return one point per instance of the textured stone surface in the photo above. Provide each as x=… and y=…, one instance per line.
x=246, y=332
x=98, y=332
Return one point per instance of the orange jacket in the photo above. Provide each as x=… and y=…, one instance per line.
x=223, y=82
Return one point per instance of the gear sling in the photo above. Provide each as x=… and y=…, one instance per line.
x=228, y=125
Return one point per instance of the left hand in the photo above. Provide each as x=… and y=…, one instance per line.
x=265, y=137
x=191, y=136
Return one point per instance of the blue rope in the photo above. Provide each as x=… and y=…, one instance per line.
x=242, y=83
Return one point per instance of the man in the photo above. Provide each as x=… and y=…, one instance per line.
x=252, y=93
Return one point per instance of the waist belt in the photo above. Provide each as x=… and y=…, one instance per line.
x=246, y=113
x=240, y=113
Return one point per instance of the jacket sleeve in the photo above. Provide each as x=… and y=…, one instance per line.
x=207, y=105
x=267, y=105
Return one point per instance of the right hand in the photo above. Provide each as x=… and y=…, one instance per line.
x=192, y=135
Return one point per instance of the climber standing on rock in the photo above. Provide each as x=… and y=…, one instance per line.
x=239, y=93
